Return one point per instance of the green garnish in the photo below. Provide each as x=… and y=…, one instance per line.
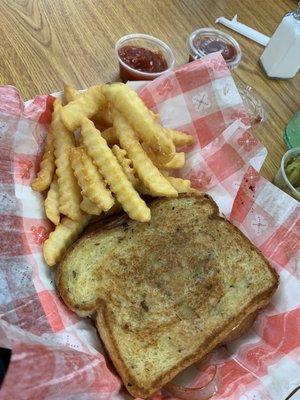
x=292, y=170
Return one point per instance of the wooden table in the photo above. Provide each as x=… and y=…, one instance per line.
x=45, y=43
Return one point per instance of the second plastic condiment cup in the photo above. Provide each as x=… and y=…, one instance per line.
x=214, y=40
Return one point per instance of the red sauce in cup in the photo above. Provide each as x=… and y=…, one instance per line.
x=205, y=41
x=140, y=59
x=208, y=46
x=211, y=46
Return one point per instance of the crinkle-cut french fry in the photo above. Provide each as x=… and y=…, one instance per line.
x=112, y=172
x=179, y=138
x=47, y=166
x=85, y=105
x=62, y=237
x=181, y=185
x=197, y=192
x=70, y=93
x=102, y=116
x=147, y=172
x=89, y=179
x=125, y=163
x=177, y=161
x=110, y=136
x=52, y=202
x=89, y=207
x=69, y=191
x=129, y=104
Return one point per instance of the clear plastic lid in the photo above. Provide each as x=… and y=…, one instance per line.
x=252, y=102
x=208, y=40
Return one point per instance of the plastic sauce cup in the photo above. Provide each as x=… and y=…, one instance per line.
x=281, y=180
x=208, y=40
x=148, y=42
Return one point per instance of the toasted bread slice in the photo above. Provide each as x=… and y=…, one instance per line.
x=168, y=291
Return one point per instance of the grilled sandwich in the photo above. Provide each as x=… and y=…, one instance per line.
x=166, y=292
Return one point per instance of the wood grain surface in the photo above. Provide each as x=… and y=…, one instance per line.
x=45, y=43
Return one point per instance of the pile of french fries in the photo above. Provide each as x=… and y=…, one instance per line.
x=89, y=172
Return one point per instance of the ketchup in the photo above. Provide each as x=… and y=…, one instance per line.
x=207, y=46
x=142, y=60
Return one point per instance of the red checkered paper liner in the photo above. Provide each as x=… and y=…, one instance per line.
x=58, y=355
